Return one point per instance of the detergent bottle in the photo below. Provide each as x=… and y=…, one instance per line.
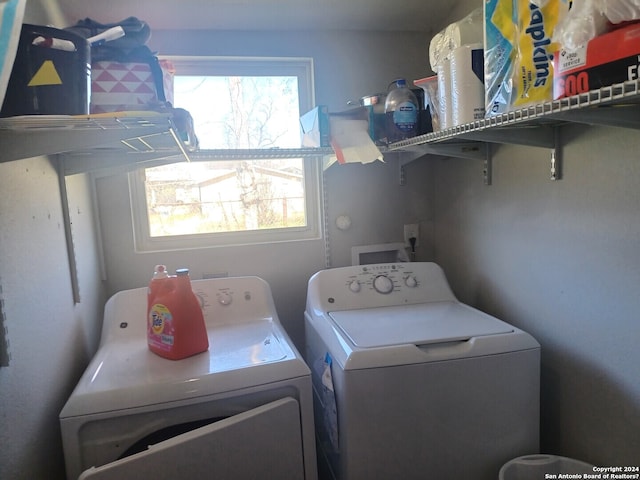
x=402, y=110
x=175, y=323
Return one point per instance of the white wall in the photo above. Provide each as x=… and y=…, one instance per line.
x=50, y=338
x=560, y=260
x=348, y=65
x=379, y=207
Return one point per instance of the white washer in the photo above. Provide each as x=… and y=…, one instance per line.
x=241, y=410
x=410, y=383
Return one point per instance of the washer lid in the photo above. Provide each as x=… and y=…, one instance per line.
x=422, y=324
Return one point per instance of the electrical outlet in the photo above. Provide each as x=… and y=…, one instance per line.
x=411, y=230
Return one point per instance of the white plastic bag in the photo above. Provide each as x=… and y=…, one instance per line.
x=589, y=18
x=583, y=22
x=618, y=11
x=466, y=31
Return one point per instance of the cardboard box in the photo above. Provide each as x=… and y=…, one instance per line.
x=314, y=127
x=607, y=59
x=117, y=87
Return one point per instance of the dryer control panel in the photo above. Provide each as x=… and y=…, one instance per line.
x=378, y=285
x=228, y=300
x=234, y=299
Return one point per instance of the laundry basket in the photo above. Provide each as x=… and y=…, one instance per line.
x=534, y=467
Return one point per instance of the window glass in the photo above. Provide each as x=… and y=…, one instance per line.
x=248, y=105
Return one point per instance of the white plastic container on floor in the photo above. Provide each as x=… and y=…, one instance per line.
x=534, y=467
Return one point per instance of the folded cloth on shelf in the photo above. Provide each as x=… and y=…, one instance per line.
x=351, y=141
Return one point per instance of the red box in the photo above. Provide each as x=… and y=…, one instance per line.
x=117, y=87
x=607, y=59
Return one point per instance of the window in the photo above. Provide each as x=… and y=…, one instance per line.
x=237, y=104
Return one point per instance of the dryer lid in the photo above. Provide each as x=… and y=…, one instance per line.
x=126, y=375
x=422, y=324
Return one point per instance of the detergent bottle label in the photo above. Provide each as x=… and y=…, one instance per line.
x=161, y=328
x=405, y=117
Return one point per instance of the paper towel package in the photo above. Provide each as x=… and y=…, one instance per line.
x=499, y=55
x=519, y=52
x=444, y=94
x=463, y=33
x=467, y=84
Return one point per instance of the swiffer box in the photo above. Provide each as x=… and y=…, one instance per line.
x=314, y=127
x=607, y=59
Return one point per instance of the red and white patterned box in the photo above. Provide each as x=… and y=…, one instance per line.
x=117, y=87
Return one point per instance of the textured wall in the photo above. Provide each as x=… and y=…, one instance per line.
x=560, y=260
x=50, y=338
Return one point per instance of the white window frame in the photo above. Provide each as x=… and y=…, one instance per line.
x=250, y=66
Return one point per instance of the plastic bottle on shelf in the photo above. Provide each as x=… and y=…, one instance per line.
x=401, y=110
x=175, y=322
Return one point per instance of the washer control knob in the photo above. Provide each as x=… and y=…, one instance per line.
x=411, y=281
x=224, y=298
x=354, y=286
x=383, y=284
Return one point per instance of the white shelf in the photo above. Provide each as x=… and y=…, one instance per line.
x=616, y=105
x=139, y=132
x=591, y=108
x=131, y=139
x=124, y=140
x=110, y=159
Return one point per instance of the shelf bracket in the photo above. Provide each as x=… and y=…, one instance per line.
x=402, y=175
x=546, y=136
x=468, y=150
x=403, y=161
x=556, y=156
x=623, y=116
x=114, y=161
x=68, y=233
x=531, y=136
x=487, y=169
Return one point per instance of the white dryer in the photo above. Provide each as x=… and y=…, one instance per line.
x=410, y=383
x=241, y=410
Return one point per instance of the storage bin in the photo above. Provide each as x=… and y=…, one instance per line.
x=535, y=467
x=117, y=86
x=51, y=74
